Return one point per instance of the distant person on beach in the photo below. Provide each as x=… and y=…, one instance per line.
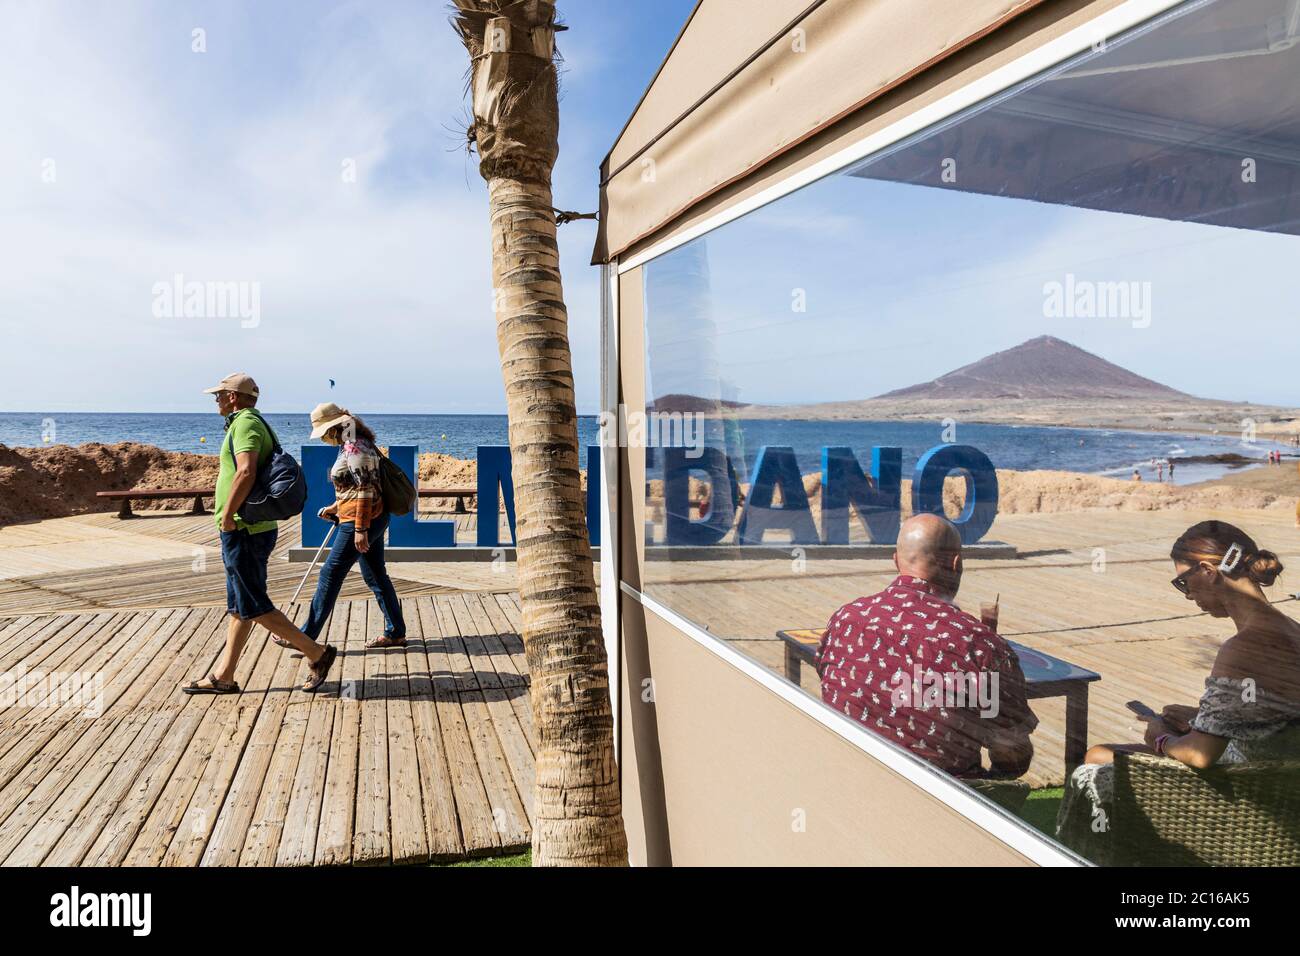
x=358, y=510
x=1160, y=471
x=246, y=548
x=1171, y=472
x=1137, y=475
x=1250, y=710
x=911, y=666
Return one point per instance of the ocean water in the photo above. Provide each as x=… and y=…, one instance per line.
x=457, y=435
x=1020, y=448
x=1015, y=447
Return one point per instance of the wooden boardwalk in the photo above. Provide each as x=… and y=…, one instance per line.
x=166, y=559
x=426, y=754
x=405, y=756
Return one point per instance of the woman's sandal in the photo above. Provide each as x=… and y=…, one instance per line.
x=214, y=686
x=320, y=670
x=387, y=641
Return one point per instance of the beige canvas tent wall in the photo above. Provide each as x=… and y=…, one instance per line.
x=753, y=91
x=719, y=762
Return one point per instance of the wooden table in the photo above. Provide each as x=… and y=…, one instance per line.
x=1045, y=676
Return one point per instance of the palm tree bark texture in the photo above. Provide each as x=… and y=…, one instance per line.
x=577, y=816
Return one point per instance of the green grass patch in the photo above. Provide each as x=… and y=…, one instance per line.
x=516, y=859
x=1040, y=809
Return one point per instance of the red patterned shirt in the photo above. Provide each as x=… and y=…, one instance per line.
x=922, y=672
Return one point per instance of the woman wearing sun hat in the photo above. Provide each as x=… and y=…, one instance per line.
x=362, y=521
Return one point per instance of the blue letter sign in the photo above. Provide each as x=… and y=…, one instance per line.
x=981, y=487
x=776, y=467
x=316, y=463
x=844, y=487
x=494, y=477
x=877, y=500
x=681, y=529
x=408, y=531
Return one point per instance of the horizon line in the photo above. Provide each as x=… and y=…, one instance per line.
x=268, y=411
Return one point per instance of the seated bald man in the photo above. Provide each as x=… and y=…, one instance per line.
x=920, y=671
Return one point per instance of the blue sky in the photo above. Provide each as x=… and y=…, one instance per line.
x=312, y=148
x=859, y=284
x=899, y=284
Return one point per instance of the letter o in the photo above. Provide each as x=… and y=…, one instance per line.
x=981, y=487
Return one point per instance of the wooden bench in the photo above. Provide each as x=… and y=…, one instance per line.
x=143, y=494
x=460, y=494
x=198, y=494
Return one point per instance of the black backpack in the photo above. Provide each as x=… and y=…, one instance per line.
x=399, y=494
x=280, y=489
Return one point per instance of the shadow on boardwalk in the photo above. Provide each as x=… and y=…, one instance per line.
x=409, y=755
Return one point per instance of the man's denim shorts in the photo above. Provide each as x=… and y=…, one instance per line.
x=245, y=557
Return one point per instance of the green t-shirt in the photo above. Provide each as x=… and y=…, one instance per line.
x=246, y=432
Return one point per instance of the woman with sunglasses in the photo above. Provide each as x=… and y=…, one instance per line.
x=1251, y=706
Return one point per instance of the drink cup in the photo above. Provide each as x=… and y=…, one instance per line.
x=989, y=615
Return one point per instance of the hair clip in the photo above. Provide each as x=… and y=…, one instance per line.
x=1231, y=559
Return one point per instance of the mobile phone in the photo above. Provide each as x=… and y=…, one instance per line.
x=1141, y=709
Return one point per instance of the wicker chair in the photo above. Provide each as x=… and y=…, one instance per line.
x=1010, y=795
x=1167, y=814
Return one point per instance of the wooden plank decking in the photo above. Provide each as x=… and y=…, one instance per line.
x=166, y=559
x=405, y=756
x=426, y=754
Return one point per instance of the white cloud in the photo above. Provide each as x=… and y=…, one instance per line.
x=227, y=166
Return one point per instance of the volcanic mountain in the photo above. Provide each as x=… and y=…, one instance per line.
x=1042, y=368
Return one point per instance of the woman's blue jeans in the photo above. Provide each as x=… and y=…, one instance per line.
x=343, y=554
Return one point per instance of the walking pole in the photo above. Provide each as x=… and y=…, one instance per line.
x=323, y=544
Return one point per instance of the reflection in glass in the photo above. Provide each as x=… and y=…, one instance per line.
x=1060, y=320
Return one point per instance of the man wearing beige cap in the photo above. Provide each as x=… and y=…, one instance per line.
x=246, y=548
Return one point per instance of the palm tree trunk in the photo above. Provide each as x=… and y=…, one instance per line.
x=577, y=815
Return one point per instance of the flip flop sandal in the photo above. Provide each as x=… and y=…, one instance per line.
x=320, y=670
x=387, y=641
x=215, y=686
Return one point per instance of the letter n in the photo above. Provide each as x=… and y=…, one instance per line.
x=494, y=476
x=877, y=499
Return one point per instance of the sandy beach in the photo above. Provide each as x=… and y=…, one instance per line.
x=61, y=480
